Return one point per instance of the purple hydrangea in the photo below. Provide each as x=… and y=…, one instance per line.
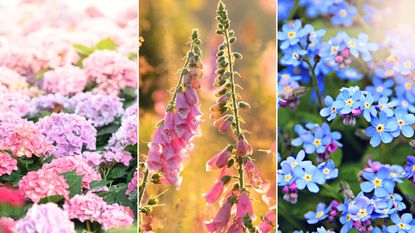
x=68, y=132
x=99, y=109
x=126, y=134
x=49, y=102
x=45, y=218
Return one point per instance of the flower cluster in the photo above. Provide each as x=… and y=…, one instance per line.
x=68, y=132
x=297, y=174
x=387, y=120
x=234, y=161
x=90, y=207
x=75, y=80
x=172, y=141
x=317, y=139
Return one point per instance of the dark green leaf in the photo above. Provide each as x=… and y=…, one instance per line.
x=74, y=181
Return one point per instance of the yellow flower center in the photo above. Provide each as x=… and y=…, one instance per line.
x=291, y=34
x=319, y=214
x=382, y=106
x=334, y=50
x=285, y=76
x=379, y=89
x=408, y=86
x=402, y=225
x=404, y=103
x=317, y=142
x=21, y=151
x=326, y=171
x=307, y=177
x=407, y=64
x=294, y=164
x=295, y=55
x=352, y=44
x=362, y=213
x=401, y=122
x=349, y=102
x=287, y=177
x=377, y=182
x=380, y=128
x=342, y=12
x=389, y=72
x=287, y=89
x=348, y=218
x=413, y=167
x=367, y=105
x=333, y=109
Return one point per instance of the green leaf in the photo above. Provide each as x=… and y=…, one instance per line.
x=117, y=171
x=133, y=56
x=74, y=181
x=106, y=44
x=54, y=199
x=109, y=129
x=407, y=188
x=337, y=157
x=82, y=49
x=96, y=184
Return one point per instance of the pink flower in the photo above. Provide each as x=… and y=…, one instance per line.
x=182, y=107
x=237, y=226
x=117, y=216
x=219, y=160
x=11, y=196
x=221, y=219
x=73, y=163
x=45, y=218
x=268, y=223
x=269, y=196
x=67, y=80
x=132, y=186
x=243, y=147
x=255, y=179
x=7, y=225
x=25, y=140
x=7, y=164
x=12, y=80
x=217, y=189
x=85, y=207
x=37, y=185
x=154, y=156
x=244, y=206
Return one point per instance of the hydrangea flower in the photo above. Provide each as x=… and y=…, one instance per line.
x=68, y=132
x=65, y=80
x=7, y=164
x=45, y=218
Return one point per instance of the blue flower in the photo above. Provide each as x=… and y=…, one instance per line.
x=329, y=111
x=365, y=47
x=298, y=161
x=346, y=218
x=381, y=129
x=404, y=103
x=323, y=230
x=380, y=88
x=404, y=66
x=383, y=207
x=405, y=121
x=329, y=170
x=343, y=14
x=402, y=224
x=291, y=34
x=320, y=214
x=313, y=38
x=350, y=74
x=367, y=107
x=292, y=56
x=386, y=70
x=330, y=49
x=397, y=173
x=405, y=87
x=410, y=167
x=347, y=100
x=316, y=7
x=361, y=208
x=380, y=182
x=317, y=142
x=284, y=9
x=285, y=175
x=309, y=177
x=385, y=106
x=285, y=77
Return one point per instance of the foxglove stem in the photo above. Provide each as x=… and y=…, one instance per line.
x=239, y=132
x=143, y=186
x=179, y=85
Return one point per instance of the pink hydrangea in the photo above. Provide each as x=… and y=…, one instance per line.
x=26, y=140
x=67, y=80
x=12, y=80
x=45, y=218
x=7, y=225
x=39, y=184
x=7, y=164
x=117, y=216
x=93, y=208
x=85, y=207
x=111, y=71
x=15, y=102
x=127, y=133
x=132, y=186
x=73, y=163
x=9, y=121
x=17, y=58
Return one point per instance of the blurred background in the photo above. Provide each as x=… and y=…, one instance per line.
x=164, y=28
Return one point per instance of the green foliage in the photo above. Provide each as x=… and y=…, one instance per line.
x=74, y=181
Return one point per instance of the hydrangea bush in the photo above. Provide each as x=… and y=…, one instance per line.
x=68, y=120
x=346, y=116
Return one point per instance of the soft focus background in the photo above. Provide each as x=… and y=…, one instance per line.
x=165, y=28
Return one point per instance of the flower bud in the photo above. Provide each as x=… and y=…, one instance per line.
x=243, y=147
x=226, y=125
x=244, y=105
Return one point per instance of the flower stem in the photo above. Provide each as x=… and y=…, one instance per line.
x=312, y=69
x=170, y=106
x=239, y=132
x=293, y=10
x=143, y=186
